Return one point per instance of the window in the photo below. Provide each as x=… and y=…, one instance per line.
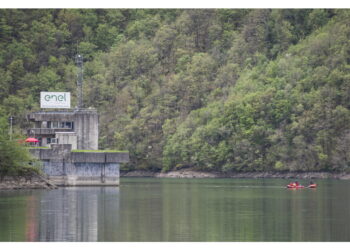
x=54, y=140
x=68, y=125
x=54, y=124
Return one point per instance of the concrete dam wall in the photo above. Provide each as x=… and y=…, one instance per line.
x=68, y=168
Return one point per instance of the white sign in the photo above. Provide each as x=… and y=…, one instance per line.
x=54, y=100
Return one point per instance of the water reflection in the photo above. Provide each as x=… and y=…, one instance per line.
x=31, y=226
x=77, y=214
x=66, y=214
x=232, y=210
x=179, y=210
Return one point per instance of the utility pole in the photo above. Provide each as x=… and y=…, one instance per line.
x=11, y=121
x=79, y=62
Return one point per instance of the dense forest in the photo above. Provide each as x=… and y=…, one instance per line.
x=212, y=89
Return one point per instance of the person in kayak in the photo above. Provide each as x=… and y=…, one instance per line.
x=312, y=185
x=293, y=184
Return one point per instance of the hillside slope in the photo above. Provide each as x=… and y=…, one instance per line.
x=224, y=90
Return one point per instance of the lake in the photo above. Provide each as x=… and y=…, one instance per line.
x=177, y=210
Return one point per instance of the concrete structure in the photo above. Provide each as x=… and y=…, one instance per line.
x=67, y=130
x=68, y=133
x=53, y=126
x=68, y=168
x=67, y=138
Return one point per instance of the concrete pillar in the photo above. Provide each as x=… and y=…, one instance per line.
x=86, y=128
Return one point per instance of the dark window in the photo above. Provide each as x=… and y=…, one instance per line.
x=68, y=125
x=54, y=140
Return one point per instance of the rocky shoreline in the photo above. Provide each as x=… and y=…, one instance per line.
x=14, y=183
x=188, y=173
x=38, y=182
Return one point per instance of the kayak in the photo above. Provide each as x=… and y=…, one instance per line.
x=294, y=186
x=314, y=185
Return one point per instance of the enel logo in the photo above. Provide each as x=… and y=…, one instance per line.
x=57, y=98
x=54, y=99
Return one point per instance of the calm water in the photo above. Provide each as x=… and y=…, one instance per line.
x=145, y=209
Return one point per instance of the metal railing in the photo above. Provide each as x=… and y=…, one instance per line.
x=47, y=131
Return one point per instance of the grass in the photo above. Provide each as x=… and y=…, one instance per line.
x=38, y=147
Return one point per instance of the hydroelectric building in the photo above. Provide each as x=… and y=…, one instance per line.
x=68, y=142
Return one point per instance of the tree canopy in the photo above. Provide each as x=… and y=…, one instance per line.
x=212, y=89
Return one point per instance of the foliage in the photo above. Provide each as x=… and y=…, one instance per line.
x=212, y=89
x=14, y=158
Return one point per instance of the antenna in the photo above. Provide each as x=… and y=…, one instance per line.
x=79, y=62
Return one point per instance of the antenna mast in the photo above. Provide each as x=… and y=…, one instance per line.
x=79, y=62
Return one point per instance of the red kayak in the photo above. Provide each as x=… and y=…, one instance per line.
x=312, y=185
x=294, y=186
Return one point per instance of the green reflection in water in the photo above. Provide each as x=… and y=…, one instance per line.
x=232, y=210
x=145, y=209
x=18, y=213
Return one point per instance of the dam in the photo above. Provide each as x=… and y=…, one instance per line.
x=67, y=142
x=68, y=148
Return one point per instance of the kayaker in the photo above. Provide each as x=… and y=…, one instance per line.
x=312, y=185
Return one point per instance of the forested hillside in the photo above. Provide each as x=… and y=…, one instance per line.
x=212, y=89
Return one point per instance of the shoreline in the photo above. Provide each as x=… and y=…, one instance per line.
x=21, y=182
x=188, y=173
x=17, y=183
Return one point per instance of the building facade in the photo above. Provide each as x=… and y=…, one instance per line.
x=78, y=127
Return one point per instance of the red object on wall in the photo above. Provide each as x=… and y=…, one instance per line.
x=31, y=140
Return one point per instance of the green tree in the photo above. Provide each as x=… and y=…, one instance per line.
x=14, y=158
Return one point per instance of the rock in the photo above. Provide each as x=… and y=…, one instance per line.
x=190, y=173
x=15, y=183
x=186, y=174
x=138, y=173
x=345, y=177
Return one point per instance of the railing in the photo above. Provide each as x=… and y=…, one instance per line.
x=55, y=112
x=47, y=131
